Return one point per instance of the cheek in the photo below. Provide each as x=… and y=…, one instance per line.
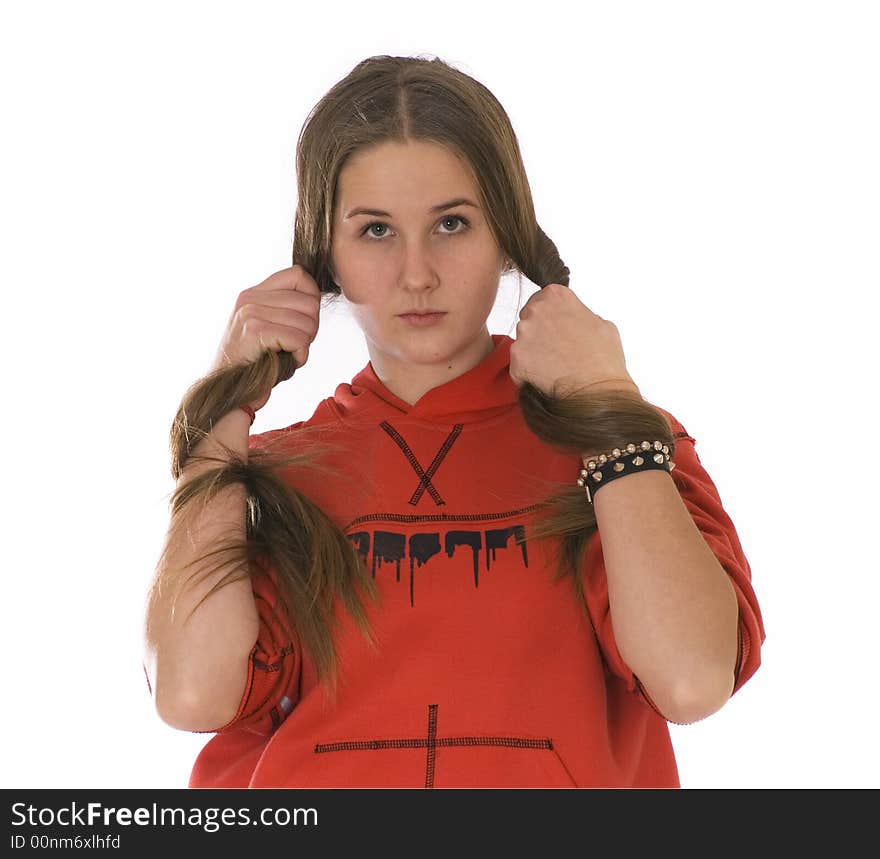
x=363, y=291
x=345, y=251
x=363, y=266
x=489, y=291
x=347, y=267
x=490, y=261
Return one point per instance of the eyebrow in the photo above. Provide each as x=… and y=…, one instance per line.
x=458, y=201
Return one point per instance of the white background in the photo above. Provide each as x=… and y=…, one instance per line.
x=709, y=173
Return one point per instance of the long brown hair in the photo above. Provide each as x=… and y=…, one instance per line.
x=400, y=99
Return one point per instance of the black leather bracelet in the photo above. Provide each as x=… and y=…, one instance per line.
x=620, y=462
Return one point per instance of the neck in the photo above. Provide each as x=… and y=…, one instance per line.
x=410, y=380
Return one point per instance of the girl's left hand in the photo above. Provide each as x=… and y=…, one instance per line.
x=562, y=346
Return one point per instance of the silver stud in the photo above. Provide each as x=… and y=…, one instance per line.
x=671, y=466
x=638, y=460
x=658, y=445
x=658, y=458
x=602, y=458
x=597, y=476
x=665, y=448
x=580, y=481
x=615, y=453
x=619, y=466
x=646, y=445
x=630, y=448
x=584, y=472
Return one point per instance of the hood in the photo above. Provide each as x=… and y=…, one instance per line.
x=480, y=393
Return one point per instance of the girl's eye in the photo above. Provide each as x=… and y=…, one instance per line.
x=370, y=227
x=459, y=218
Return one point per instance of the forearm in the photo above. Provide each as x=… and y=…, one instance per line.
x=674, y=610
x=196, y=658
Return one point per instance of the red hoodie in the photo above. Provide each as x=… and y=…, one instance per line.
x=488, y=674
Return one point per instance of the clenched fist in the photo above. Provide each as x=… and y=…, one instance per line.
x=282, y=314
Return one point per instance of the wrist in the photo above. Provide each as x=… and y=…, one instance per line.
x=231, y=431
x=250, y=412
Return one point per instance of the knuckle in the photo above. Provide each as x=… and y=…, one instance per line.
x=245, y=311
x=253, y=328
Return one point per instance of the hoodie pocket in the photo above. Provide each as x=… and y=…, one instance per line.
x=502, y=762
x=444, y=762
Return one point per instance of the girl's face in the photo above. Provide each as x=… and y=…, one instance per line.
x=415, y=252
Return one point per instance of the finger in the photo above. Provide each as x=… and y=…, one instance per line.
x=280, y=338
x=252, y=319
x=304, y=282
x=294, y=278
x=279, y=299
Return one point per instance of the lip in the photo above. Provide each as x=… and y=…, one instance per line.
x=423, y=318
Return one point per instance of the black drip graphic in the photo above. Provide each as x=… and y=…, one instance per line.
x=422, y=547
x=497, y=539
x=474, y=539
x=361, y=540
x=431, y=743
x=390, y=547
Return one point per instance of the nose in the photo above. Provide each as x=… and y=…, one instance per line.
x=418, y=272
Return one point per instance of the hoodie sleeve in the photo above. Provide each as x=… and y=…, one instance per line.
x=274, y=664
x=703, y=501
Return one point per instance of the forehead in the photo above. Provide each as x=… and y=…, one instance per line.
x=420, y=172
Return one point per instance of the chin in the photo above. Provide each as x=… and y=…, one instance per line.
x=429, y=347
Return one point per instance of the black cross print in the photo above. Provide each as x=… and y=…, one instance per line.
x=431, y=742
x=425, y=476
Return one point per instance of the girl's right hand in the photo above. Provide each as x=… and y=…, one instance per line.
x=282, y=313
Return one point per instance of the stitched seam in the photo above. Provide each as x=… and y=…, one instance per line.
x=448, y=742
x=401, y=443
x=432, y=745
x=441, y=517
x=435, y=464
x=274, y=666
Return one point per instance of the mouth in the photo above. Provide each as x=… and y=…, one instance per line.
x=423, y=317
